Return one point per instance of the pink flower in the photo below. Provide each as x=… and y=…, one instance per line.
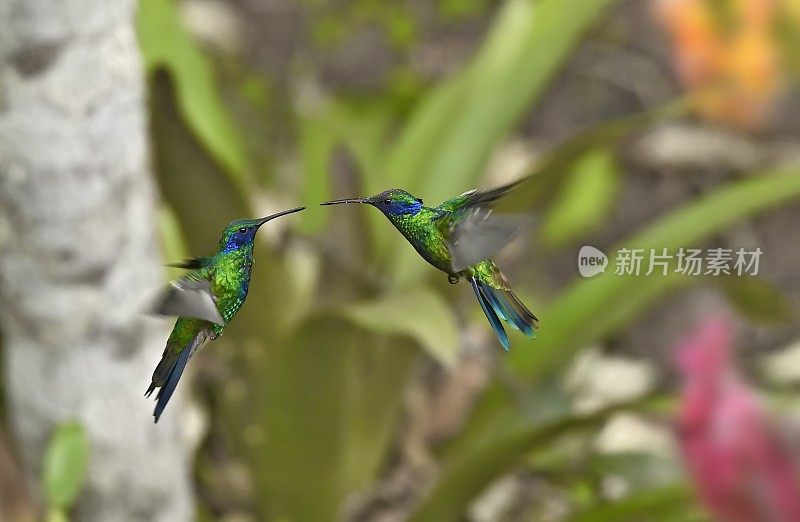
x=744, y=471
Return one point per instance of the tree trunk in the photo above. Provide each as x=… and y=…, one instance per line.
x=78, y=255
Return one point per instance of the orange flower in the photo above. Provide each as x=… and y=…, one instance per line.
x=727, y=58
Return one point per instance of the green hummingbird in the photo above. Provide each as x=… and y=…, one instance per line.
x=205, y=300
x=458, y=237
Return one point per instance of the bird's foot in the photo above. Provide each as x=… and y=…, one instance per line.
x=452, y=278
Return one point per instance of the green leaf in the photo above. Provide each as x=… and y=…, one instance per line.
x=758, y=300
x=585, y=200
x=418, y=313
x=652, y=504
x=361, y=129
x=166, y=45
x=642, y=470
x=65, y=464
x=445, y=146
x=469, y=474
x=319, y=413
x=377, y=373
x=295, y=412
x=172, y=241
x=554, y=169
x=449, y=138
x=591, y=308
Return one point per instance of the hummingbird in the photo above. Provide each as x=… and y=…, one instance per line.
x=458, y=237
x=205, y=300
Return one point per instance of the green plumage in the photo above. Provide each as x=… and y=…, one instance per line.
x=425, y=236
x=431, y=231
x=226, y=277
x=229, y=276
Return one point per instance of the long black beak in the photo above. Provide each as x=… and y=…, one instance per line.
x=351, y=200
x=279, y=214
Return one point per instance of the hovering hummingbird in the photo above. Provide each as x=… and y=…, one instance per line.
x=458, y=237
x=205, y=300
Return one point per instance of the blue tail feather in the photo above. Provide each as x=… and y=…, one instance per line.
x=529, y=322
x=508, y=307
x=491, y=298
x=165, y=393
x=491, y=315
x=504, y=311
x=505, y=308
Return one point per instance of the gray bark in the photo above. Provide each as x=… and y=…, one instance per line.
x=78, y=255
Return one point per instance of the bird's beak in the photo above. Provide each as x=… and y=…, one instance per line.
x=351, y=200
x=279, y=214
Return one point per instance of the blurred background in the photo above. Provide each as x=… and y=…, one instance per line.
x=356, y=384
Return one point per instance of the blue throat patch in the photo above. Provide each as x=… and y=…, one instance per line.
x=402, y=207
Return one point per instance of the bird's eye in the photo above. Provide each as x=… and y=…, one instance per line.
x=419, y=200
x=387, y=201
x=243, y=230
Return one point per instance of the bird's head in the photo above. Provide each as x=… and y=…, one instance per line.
x=242, y=232
x=392, y=202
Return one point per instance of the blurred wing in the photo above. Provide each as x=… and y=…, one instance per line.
x=190, y=296
x=477, y=197
x=472, y=231
x=191, y=262
x=480, y=235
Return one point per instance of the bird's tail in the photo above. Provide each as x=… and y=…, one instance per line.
x=168, y=373
x=166, y=391
x=499, y=302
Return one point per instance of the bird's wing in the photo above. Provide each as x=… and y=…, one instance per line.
x=190, y=296
x=473, y=232
x=478, y=197
x=192, y=262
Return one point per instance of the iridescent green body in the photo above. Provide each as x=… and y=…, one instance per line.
x=430, y=231
x=427, y=231
x=226, y=277
x=229, y=275
x=424, y=236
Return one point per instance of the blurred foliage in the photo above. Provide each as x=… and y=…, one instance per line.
x=449, y=138
x=165, y=44
x=419, y=313
x=307, y=395
x=548, y=177
x=64, y=469
x=591, y=308
x=464, y=477
x=457, y=9
x=334, y=22
x=657, y=504
x=758, y=300
x=585, y=200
